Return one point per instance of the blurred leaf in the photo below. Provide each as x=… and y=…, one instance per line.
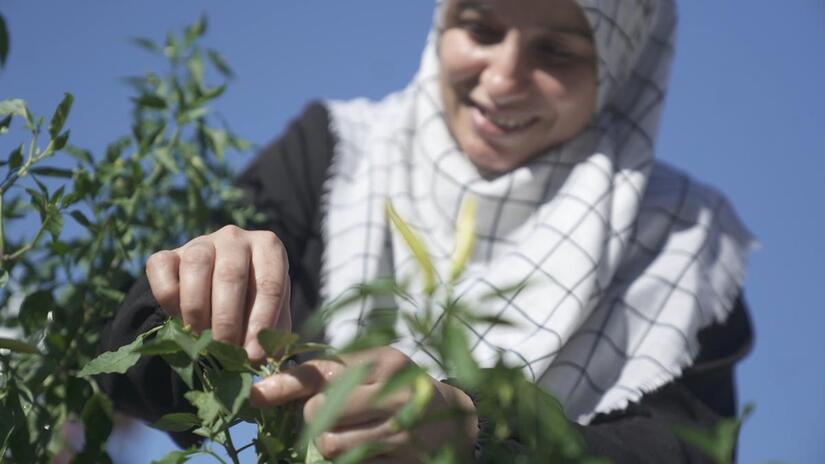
x=456, y=352
x=231, y=390
x=5, y=123
x=336, y=396
x=14, y=106
x=177, y=422
x=146, y=44
x=220, y=63
x=4, y=41
x=16, y=158
x=60, y=115
x=80, y=154
x=313, y=455
x=60, y=141
x=18, y=346
x=416, y=245
x=465, y=237
x=49, y=171
x=718, y=443
x=150, y=101
x=274, y=340
x=97, y=420
x=177, y=457
x=81, y=218
x=196, y=69
x=195, y=31
x=172, y=49
x=4, y=278
x=34, y=309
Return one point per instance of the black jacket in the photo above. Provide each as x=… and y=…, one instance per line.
x=285, y=182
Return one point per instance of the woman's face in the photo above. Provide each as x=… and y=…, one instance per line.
x=517, y=77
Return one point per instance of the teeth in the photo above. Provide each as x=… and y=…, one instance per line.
x=508, y=123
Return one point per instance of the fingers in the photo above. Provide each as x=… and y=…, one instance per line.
x=197, y=258
x=230, y=278
x=361, y=406
x=268, y=291
x=162, y=272
x=298, y=383
x=384, y=432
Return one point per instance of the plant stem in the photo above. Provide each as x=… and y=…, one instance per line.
x=230, y=447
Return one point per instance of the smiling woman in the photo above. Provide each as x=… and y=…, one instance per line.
x=628, y=272
x=517, y=78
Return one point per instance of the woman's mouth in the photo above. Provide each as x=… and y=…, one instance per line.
x=499, y=125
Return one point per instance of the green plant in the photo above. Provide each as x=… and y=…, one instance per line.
x=165, y=181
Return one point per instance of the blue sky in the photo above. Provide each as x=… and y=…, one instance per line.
x=742, y=114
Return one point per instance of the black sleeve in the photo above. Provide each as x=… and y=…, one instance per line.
x=284, y=182
x=704, y=395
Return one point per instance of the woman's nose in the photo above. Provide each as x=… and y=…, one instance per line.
x=505, y=79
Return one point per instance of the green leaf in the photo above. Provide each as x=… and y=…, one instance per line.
x=81, y=219
x=177, y=422
x=159, y=346
x=314, y=456
x=34, y=309
x=177, y=457
x=150, y=101
x=4, y=41
x=465, y=238
x=49, y=171
x=196, y=69
x=206, y=404
x=456, y=352
x=60, y=141
x=5, y=123
x=336, y=396
x=230, y=357
x=146, y=44
x=219, y=63
x=274, y=341
x=308, y=348
x=113, y=361
x=16, y=158
x=60, y=115
x=80, y=154
x=18, y=346
x=182, y=365
x=54, y=222
x=4, y=278
x=416, y=245
x=231, y=390
x=97, y=416
x=195, y=31
x=193, y=346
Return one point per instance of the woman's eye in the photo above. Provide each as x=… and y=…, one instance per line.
x=480, y=32
x=555, y=54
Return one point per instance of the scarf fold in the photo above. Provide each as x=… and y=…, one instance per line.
x=623, y=258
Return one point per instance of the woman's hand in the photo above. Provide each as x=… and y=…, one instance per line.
x=234, y=281
x=364, y=420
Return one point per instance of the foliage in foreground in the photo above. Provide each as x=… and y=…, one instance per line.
x=153, y=189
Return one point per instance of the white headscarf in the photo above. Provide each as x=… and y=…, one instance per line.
x=625, y=259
